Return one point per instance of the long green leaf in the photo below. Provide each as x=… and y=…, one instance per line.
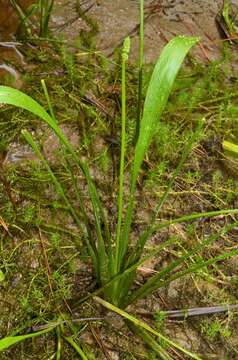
x=60, y=191
x=125, y=285
x=202, y=215
x=17, y=98
x=125, y=53
x=76, y=347
x=160, y=87
x=158, y=281
x=150, y=341
x=11, y=340
x=145, y=326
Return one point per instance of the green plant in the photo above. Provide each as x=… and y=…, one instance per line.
x=140, y=70
x=43, y=8
x=215, y=328
x=114, y=263
x=230, y=148
x=107, y=261
x=229, y=20
x=115, y=259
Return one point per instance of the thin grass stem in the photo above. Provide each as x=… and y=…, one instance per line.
x=140, y=73
x=159, y=280
x=52, y=114
x=76, y=347
x=143, y=325
x=60, y=191
x=125, y=53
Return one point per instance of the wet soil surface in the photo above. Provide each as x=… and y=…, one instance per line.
x=116, y=20
x=163, y=20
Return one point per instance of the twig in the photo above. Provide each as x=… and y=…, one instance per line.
x=57, y=323
x=177, y=314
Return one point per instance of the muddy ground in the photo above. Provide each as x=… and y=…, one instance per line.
x=117, y=19
x=164, y=19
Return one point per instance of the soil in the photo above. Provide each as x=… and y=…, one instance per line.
x=164, y=19
x=117, y=19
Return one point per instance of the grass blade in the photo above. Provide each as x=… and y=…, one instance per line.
x=76, y=347
x=8, y=341
x=150, y=341
x=159, y=280
x=225, y=212
x=160, y=86
x=17, y=98
x=231, y=148
x=60, y=191
x=43, y=84
x=125, y=53
x=144, y=326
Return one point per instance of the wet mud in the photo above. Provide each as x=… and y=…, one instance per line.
x=163, y=20
x=117, y=19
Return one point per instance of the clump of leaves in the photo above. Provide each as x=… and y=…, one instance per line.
x=44, y=10
x=115, y=259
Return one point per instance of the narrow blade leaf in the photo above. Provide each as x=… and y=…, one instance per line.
x=160, y=87
x=11, y=340
x=158, y=91
x=144, y=326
